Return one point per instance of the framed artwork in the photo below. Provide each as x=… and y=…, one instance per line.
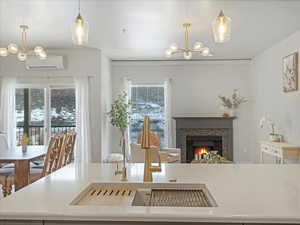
x=290, y=72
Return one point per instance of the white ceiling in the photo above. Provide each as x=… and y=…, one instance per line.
x=152, y=25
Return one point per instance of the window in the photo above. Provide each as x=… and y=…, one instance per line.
x=44, y=111
x=63, y=112
x=148, y=101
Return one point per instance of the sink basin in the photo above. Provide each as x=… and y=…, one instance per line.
x=146, y=194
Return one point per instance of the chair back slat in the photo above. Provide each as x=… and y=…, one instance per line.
x=67, y=152
x=52, y=157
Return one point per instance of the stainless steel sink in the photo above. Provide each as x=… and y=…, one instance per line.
x=146, y=194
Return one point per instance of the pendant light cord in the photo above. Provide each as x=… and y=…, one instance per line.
x=79, y=7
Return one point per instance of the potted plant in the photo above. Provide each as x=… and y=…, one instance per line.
x=119, y=118
x=273, y=135
x=230, y=104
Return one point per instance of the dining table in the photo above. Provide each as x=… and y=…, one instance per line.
x=21, y=161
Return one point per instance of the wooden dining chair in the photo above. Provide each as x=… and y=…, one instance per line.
x=67, y=152
x=51, y=160
x=7, y=182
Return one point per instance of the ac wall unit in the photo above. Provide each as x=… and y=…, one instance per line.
x=51, y=63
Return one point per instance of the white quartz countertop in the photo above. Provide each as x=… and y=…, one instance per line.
x=244, y=193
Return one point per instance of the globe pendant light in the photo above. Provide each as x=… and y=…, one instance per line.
x=198, y=47
x=221, y=28
x=23, y=52
x=80, y=30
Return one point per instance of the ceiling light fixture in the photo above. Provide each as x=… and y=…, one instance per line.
x=80, y=29
x=198, y=46
x=23, y=52
x=222, y=28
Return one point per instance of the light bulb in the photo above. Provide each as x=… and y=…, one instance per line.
x=222, y=28
x=187, y=54
x=174, y=47
x=3, y=52
x=205, y=51
x=22, y=56
x=12, y=48
x=43, y=55
x=38, y=50
x=169, y=53
x=198, y=45
x=80, y=31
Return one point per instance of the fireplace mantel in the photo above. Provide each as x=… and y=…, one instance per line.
x=204, y=125
x=203, y=117
x=203, y=121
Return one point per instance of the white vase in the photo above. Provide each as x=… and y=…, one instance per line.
x=24, y=148
x=229, y=112
x=232, y=112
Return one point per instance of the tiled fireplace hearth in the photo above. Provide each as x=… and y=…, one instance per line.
x=211, y=133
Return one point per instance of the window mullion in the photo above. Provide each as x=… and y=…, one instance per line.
x=47, y=121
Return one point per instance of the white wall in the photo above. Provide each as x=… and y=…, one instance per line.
x=268, y=96
x=78, y=62
x=195, y=87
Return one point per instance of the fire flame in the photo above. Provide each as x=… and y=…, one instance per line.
x=200, y=151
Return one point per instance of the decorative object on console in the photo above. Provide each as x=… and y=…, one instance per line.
x=280, y=150
x=119, y=117
x=187, y=51
x=290, y=72
x=23, y=51
x=273, y=136
x=230, y=104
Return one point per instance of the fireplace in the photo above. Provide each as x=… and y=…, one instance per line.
x=197, y=146
x=195, y=135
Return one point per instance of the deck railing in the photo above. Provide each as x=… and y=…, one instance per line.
x=36, y=133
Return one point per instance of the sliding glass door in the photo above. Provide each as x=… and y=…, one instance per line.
x=44, y=111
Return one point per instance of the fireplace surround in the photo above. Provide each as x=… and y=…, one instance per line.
x=210, y=130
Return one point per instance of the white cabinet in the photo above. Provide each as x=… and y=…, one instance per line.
x=281, y=151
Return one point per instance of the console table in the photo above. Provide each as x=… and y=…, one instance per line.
x=281, y=150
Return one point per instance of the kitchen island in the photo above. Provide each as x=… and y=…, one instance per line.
x=244, y=194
